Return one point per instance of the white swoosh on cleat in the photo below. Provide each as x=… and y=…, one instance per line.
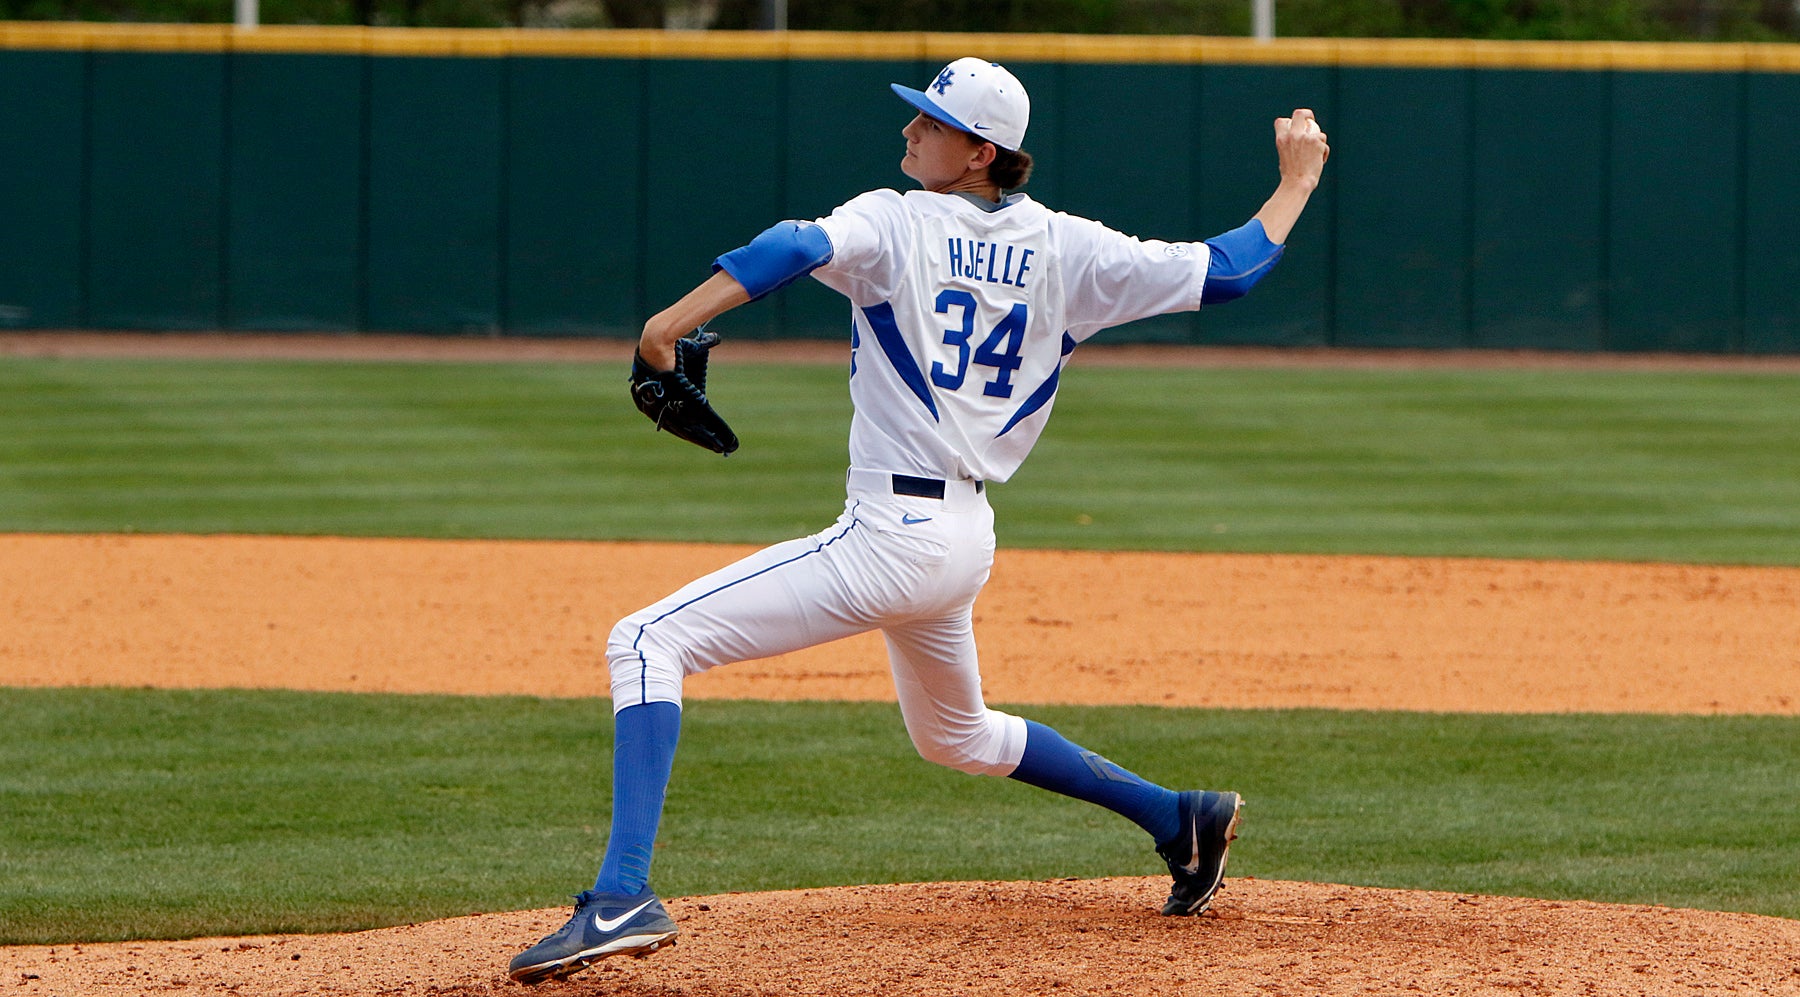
x=1193, y=865
x=605, y=924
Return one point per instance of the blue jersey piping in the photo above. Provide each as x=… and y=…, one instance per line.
x=1044, y=391
x=893, y=345
x=644, y=665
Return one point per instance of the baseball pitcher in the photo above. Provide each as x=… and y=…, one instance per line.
x=967, y=300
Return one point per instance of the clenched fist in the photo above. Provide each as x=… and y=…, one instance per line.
x=1300, y=147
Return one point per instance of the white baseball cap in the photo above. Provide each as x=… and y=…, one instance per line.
x=978, y=97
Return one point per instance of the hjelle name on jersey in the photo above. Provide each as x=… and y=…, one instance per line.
x=971, y=259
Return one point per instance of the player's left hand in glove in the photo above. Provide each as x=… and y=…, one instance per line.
x=675, y=400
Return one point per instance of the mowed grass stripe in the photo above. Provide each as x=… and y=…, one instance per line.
x=144, y=814
x=1637, y=465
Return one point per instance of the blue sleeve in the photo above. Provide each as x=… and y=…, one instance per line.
x=782, y=254
x=1240, y=258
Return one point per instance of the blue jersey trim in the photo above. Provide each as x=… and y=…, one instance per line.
x=893, y=344
x=644, y=665
x=1240, y=258
x=783, y=253
x=1044, y=391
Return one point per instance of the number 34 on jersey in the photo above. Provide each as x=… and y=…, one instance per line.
x=998, y=349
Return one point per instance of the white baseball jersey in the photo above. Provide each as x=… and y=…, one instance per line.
x=964, y=318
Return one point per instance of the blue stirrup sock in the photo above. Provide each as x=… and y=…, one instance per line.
x=644, y=739
x=1053, y=762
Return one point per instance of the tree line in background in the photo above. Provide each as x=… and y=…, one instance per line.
x=1618, y=20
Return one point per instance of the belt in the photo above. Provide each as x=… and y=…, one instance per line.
x=906, y=484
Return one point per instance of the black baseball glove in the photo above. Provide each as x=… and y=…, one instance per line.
x=675, y=400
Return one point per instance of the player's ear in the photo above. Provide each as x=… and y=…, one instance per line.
x=984, y=156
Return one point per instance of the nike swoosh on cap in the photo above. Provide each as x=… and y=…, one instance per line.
x=608, y=924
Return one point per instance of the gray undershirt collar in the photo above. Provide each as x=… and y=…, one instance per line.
x=987, y=205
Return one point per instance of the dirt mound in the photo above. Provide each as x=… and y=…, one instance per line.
x=1063, y=937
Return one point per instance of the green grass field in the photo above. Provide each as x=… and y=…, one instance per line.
x=157, y=814
x=135, y=813
x=1622, y=466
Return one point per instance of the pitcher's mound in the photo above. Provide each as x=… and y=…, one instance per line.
x=991, y=939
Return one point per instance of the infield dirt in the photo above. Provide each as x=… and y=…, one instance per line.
x=1382, y=633
x=1222, y=630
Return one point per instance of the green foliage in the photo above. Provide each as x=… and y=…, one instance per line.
x=1622, y=20
x=146, y=814
x=409, y=13
x=1628, y=466
x=1618, y=20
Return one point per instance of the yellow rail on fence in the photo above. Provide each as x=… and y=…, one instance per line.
x=926, y=46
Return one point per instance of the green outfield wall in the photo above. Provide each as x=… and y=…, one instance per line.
x=1579, y=196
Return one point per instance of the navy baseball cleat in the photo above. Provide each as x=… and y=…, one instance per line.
x=1196, y=856
x=604, y=924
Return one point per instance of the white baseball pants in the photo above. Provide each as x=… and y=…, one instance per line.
x=906, y=565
